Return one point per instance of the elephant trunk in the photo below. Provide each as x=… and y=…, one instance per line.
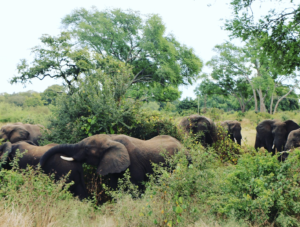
x=278, y=145
x=68, y=150
x=5, y=150
x=238, y=137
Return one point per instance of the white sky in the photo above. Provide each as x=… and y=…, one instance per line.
x=24, y=21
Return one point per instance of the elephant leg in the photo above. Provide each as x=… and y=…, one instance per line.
x=231, y=137
x=138, y=176
x=269, y=144
x=114, y=177
x=257, y=142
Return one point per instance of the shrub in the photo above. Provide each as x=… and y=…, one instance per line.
x=172, y=195
x=240, y=116
x=225, y=148
x=215, y=113
x=262, y=190
x=98, y=105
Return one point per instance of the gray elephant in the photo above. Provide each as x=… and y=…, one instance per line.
x=272, y=134
x=18, y=132
x=233, y=129
x=293, y=140
x=54, y=164
x=202, y=126
x=113, y=154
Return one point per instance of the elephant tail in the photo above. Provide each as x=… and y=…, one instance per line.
x=64, y=149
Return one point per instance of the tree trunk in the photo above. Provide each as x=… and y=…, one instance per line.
x=255, y=100
x=272, y=99
x=254, y=93
x=262, y=106
x=279, y=100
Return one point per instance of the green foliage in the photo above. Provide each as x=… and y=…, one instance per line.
x=134, y=41
x=51, y=93
x=148, y=125
x=262, y=190
x=187, y=104
x=159, y=63
x=57, y=58
x=227, y=150
x=34, y=100
x=171, y=193
x=150, y=106
x=33, y=115
x=277, y=31
x=98, y=106
x=214, y=113
x=229, y=75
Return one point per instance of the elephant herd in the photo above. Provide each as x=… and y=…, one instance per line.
x=114, y=154
x=111, y=154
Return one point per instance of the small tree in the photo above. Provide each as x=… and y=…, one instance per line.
x=97, y=106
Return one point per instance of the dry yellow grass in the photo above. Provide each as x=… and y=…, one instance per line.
x=53, y=216
x=248, y=132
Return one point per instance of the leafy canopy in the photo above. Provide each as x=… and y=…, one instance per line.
x=136, y=41
x=159, y=63
x=277, y=32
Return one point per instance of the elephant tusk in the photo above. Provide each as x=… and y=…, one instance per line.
x=282, y=152
x=67, y=158
x=273, y=146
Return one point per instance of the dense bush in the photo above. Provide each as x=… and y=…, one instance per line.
x=262, y=190
x=98, y=105
x=225, y=148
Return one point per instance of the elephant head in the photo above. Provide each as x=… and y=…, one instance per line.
x=14, y=133
x=293, y=140
x=234, y=130
x=190, y=123
x=280, y=132
x=99, y=150
x=200, y=124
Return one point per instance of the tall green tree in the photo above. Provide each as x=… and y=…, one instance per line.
x=277, y=31
x=240, y=71
x=230, y=75
x=156, y=58
x=158, y=61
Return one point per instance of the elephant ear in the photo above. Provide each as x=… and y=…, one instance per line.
x=18, y=134
x=232, y=126
x=291, y=125
x=115, y=160
x=225, y=126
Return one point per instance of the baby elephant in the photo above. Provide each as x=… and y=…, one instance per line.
x=234, y=130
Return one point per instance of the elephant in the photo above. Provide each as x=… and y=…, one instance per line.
x=18, y=131
x=196, y=123
x=54, y=164
x=234, y=130
x=272, y=134
x=293, y=140
x=113, y=154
